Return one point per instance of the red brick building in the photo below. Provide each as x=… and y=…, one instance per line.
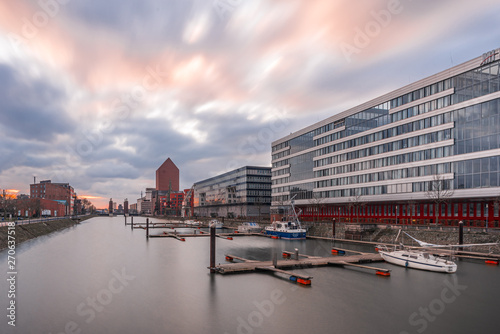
x=171, y=205
x=167, y=176
x=35, y=207
x=61, y=193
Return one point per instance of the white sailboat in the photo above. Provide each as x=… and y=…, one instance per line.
x=421, y=258
x=417, y=259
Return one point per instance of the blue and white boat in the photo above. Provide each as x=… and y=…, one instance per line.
x=287, y=229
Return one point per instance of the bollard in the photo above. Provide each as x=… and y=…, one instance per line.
x=296, y=253
x=212, y=249
x=333, y=228
x=461, y=234
x=147, y=228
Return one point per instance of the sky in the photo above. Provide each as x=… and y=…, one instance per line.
x=99, y=93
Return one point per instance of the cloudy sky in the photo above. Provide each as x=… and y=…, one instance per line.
x=100, y=93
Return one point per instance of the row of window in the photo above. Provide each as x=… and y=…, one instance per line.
x=265, y=171
x=433, y=153
x=385, y=119
x=281, y=171
x=480, y=209
x=280, y=199
x=421, y=93
x=385, y=189
x=280, y=146
x=280, y=155
x=429, y=138
x=280, y=163
x=329, y=127
x=389, y=133
x=308, y=186
x=387, y=175
x=281, y=181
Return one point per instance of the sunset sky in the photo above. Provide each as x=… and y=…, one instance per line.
x=100, y=93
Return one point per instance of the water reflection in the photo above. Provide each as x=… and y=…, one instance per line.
x=173, y=292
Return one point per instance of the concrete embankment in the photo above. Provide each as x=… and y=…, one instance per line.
x=386, y=234
x=31, y=231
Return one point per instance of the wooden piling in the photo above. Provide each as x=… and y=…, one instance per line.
x=212, y=249
x=461, y=234
x=147, y=228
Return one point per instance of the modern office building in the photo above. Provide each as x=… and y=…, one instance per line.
x=243, y=192
x=167, y=176
x=388, y=159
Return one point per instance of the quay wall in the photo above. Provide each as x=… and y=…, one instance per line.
x=35, y=230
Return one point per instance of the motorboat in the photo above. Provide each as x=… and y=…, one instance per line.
x=192, y=222
x=249, y=227
x=287, y=228
x=216, y=223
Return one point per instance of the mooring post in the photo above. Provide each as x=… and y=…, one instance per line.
x=132, y=224
x=275, y=259
x=132, y=219
x=212, y=248
x=460, y=234
x=296, y=253
x=333, y=228
x=147, y=228
x=125, y=220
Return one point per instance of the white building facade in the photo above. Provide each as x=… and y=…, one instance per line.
x=382, y=160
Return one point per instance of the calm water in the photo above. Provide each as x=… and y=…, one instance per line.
x=102, y=277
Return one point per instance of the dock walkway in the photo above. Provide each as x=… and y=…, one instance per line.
x=251, y=265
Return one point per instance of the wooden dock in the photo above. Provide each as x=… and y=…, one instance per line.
x=247, y=265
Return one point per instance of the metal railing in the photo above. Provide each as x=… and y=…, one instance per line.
x=37, y=220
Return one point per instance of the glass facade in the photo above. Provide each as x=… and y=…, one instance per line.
x=449, y=127
x=241, y=187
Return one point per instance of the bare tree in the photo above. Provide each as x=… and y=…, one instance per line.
x=317, y=203
x=280, y=205
x=356, y=202
x=439, y=193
